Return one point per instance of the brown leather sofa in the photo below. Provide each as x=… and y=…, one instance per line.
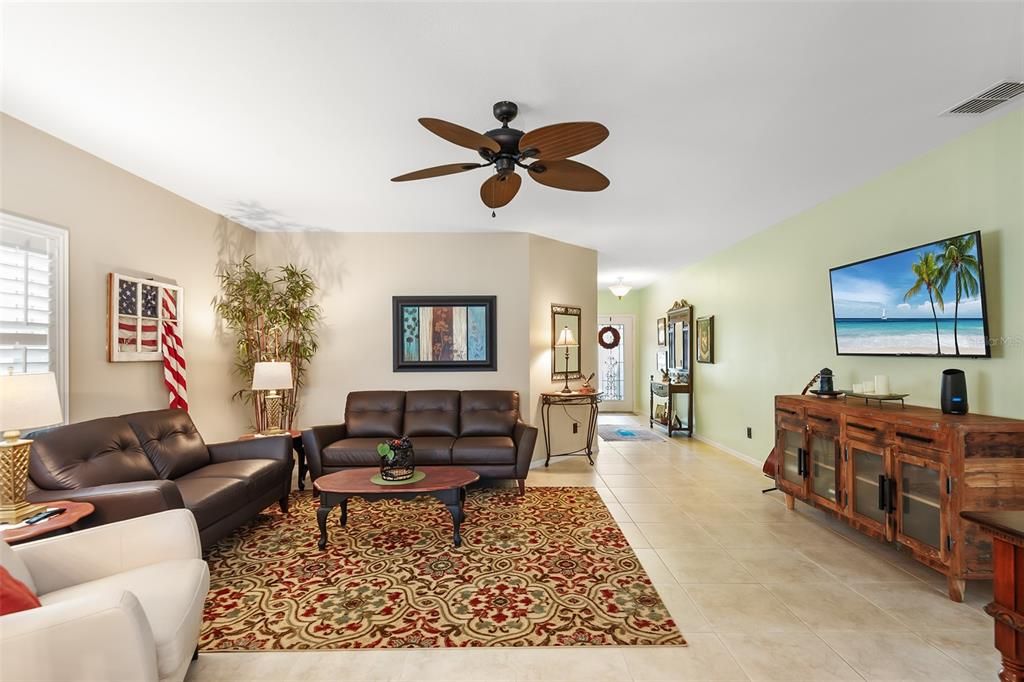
x=147, y=462
x=480, y=430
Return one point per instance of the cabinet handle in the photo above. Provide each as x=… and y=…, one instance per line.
x=820, y=418
x=914, y=436
x=862, y=427
x=892, y=496
x=800, y=462
x=783, y=409
x=881, y=492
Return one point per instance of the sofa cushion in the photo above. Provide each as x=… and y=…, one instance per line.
x=171, y=594
x=489, y=413
x=170, y=440
x=374, y=414
x=212, y=499
x=432, y=413
x=352, y=452
x=90, y=453
x=484, y=450
x=10, y=560
x=432, y=450
x=259, y=475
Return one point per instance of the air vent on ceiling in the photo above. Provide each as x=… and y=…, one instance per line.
x=992, y=97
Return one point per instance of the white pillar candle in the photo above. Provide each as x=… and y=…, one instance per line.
x=858, y=388
x=881, y=384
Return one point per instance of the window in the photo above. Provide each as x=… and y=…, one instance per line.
x=34, y=300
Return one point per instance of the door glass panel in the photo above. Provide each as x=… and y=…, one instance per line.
x=867, y=467
x=919, y=503
x=823, y=467
x=612, y=379
x=791, y=443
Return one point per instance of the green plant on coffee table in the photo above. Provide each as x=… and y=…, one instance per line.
x=396, y=459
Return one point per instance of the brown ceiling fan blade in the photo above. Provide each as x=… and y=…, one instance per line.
x=499, y=189
x=456, y=134
x=566, y=174
x=437, y=171
x=562, y=140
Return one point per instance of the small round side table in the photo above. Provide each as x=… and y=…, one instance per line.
x=73, y=513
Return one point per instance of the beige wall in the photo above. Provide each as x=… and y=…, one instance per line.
x=772, y=305
x=359, y=273
x=119, y=222
x=565, y=274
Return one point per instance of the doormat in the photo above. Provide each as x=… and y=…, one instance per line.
x=611, y=432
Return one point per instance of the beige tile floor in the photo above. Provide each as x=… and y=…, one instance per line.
x=723, y=557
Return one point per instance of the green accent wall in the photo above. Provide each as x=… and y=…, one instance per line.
x=772, y=304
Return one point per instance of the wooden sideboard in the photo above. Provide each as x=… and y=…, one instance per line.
x=903, y=475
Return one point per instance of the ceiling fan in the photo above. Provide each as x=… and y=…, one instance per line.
x=544, y=154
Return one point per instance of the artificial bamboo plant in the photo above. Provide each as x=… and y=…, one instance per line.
x=272, y=314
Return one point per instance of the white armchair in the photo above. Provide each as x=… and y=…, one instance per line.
x=123, y=601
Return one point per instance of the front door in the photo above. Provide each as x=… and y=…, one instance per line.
x=615, y=366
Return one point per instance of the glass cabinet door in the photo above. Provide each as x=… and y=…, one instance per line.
x=823, y=467
x=867, y=472
x=791, y=442
x=919, y=502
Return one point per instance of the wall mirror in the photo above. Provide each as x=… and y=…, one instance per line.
x=565, y=366
x=680, y=340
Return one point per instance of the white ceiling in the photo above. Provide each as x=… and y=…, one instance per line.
x=725, y=118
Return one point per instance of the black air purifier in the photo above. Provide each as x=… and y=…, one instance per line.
x=954, y=391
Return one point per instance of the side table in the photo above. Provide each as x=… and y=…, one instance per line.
x=73, y=513
x=1007, y=606
x=300, y=452
x=566, y=400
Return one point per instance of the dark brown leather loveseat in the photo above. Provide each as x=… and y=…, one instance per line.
x=480, y=430
x=147, y=462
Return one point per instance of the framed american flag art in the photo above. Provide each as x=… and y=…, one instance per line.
x=143, y=318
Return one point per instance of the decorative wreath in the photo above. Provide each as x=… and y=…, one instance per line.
x=608, y=337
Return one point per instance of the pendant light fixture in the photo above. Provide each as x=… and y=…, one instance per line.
x=620, y=288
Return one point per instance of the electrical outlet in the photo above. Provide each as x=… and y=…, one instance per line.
x=750, y=432
x=575, y=427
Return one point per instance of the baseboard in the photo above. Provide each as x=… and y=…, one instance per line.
x=735, y=453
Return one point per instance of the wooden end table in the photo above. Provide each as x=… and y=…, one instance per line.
x=1007, y=606
x=300, y=451
x=447, y=484
x=73, y=513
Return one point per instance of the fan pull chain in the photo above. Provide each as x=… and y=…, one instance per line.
x=493, y=214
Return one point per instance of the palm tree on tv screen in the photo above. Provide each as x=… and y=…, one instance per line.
x=957, y=261
x=929, y=276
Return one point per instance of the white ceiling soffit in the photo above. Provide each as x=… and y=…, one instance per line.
x=725, y=118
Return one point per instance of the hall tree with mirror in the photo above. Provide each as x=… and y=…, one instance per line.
x=667, y=390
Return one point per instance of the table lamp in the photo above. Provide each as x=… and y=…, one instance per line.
x=27, y=401
x=566, y=340
x=272, y=377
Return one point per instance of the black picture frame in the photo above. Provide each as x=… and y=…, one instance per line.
x=402, y=364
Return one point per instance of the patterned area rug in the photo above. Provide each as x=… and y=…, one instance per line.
x=550, y=568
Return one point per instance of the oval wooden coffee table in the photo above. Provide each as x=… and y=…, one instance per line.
x=448, y=484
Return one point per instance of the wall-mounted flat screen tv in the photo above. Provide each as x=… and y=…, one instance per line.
x=927, y=300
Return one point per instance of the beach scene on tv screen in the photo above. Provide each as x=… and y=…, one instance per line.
x=924, y=301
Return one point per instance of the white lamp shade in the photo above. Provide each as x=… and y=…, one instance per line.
x=29, y=401
x=566, y=338
x=271, y=376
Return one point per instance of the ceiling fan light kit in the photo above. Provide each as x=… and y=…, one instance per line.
x=506, y=148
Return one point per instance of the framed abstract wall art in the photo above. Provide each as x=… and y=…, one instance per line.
x=444, y=333
x=141, y=315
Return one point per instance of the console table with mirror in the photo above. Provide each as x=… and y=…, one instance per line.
x=903, y=475
x=679, y=320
